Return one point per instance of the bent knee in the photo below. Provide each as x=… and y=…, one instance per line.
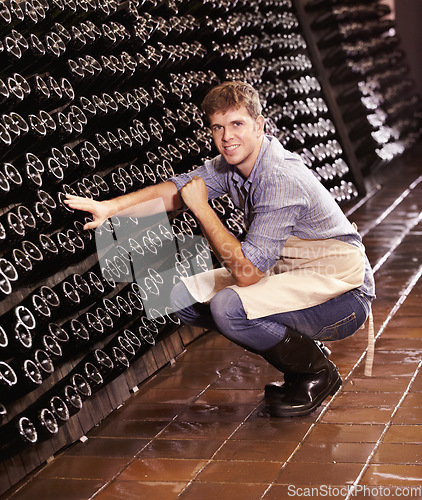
x=226, y=307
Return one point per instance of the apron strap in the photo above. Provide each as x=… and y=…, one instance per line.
x=369, y=362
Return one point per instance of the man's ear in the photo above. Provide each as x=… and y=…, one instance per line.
x=260, y=122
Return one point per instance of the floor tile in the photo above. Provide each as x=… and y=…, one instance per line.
x=199, y=430
x=170, y=396
x=164, y=381
x=398, y=475
x=239, y=472
x=346, y=433
x=398, y=454
x=357, y=415
x=236, y=379
x=401, y=369
x=239, y=397
x=376, y=384
x=135, y=429
x=412, y=400
x=211, y=491
x=319, y=473
x=162, y=470
x=201, y=412
x=350, y=399
x=53, y=489
x=103, y=447
x=405, y=416
x=257, y=451
x=272, y=429
x=417, y=384
x=77, y=467
x=403, y=434
x=401, y=343
x=135, y=490
x=181, y=448
x=392, y=332
x=333, y=452
x=139, y=410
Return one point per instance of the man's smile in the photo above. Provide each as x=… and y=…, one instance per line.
x=231, y=148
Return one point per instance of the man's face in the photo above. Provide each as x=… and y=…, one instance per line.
x=238, y=137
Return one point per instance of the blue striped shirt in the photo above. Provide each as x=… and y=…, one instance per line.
x=281, y=197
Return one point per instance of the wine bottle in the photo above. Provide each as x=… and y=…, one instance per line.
x=59, y=409
x=93, y=376
x=44, y=363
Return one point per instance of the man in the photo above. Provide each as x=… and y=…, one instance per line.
x=299, y=275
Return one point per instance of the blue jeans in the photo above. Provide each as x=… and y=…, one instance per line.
x=335, y=319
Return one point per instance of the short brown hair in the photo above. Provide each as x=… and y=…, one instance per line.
x=232, y=95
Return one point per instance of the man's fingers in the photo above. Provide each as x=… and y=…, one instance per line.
x=78, y=202
x=92, y=225
x=87, y=205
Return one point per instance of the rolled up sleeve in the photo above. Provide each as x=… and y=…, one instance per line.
x=214, y=177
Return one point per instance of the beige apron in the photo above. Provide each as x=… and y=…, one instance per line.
x=309, y=273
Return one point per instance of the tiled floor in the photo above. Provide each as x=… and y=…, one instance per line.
x=195, y=430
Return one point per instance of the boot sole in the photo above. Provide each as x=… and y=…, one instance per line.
x=276, y=411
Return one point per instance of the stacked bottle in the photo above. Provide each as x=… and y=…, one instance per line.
x=97, y=100
x=368, y=72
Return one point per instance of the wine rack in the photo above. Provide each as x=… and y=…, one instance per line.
x=100, y=98
x=363, y=68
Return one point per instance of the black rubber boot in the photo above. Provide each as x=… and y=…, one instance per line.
x=311, y=377
x=289, y=378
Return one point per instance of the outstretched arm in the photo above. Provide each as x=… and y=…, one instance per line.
x=146, y=201
x=226, y=247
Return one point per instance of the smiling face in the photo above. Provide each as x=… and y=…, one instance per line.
x=238, y=137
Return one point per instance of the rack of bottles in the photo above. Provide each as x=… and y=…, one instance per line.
x=100, y=98
x=267, y=47
x=358, y=53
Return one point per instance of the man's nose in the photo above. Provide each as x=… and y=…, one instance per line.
x=226, y=134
